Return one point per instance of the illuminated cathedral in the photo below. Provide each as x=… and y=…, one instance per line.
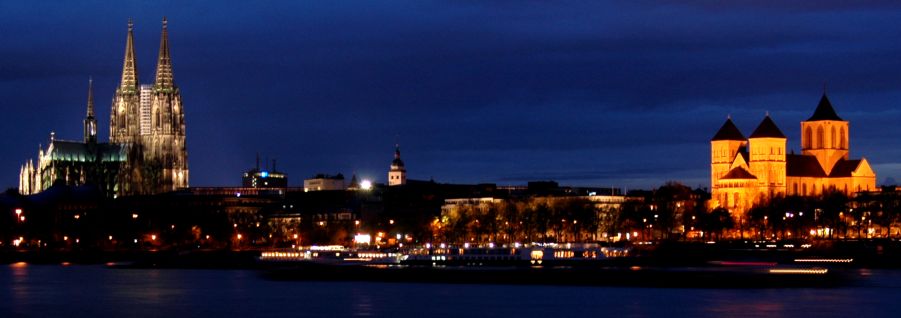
x=146, y=153
x=745, y=171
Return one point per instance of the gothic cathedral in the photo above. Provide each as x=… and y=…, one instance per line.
x=745, y=171
x=146, y=153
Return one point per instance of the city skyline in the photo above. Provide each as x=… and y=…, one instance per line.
x=324, y=91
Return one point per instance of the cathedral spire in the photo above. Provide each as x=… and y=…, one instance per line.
x=90, y=97
x=90, y=123
x=164, y=78
x=130, y=66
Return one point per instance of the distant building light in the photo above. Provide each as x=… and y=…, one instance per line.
x=362, y=238
x=264, y=174
x=366, y=185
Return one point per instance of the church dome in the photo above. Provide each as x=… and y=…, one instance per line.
x=397, y=163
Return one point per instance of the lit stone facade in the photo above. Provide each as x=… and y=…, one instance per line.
x=745, y=171
x=146, y=153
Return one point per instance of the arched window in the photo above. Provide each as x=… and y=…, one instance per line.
x=832, y=136
x=804, y=189
x=736, y=198
x=843, y=144
x=820, y=136
x=808, y=138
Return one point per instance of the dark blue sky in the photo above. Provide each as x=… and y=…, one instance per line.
x=626, y=93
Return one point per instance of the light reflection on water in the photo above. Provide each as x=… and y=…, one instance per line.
x=53, y=291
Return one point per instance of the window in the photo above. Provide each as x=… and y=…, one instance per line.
x=808, y=137
x=735, y=198
x=841, y=139
x=820, y=137
x=834, y=140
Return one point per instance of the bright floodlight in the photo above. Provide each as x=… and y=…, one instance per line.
x=366, y=185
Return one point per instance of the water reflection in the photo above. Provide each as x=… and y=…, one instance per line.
x=19, y=287
x=362, y=302
x=44, y=290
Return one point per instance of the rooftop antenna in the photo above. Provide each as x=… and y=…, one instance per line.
x=258, y=161
x=273, y=165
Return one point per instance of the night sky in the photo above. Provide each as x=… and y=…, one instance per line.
x=625, y=94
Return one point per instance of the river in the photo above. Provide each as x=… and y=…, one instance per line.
x=96, y=291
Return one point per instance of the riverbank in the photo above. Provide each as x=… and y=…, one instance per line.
x=862, y=254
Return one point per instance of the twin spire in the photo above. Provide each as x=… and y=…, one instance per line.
x=90, y=97
x=90, y=123
x=130, y=67
x=164, y=78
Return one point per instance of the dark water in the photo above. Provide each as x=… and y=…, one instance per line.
x=92, y=291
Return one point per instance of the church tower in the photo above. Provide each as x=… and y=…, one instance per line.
x=125, y=112
x=397, y=175
x=165, y=151
x=724, y=146
x=825, y=135
x=90, y=123
x=767, y=158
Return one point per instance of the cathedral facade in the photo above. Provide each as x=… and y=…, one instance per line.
x=746, y=171
x=146, y=153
